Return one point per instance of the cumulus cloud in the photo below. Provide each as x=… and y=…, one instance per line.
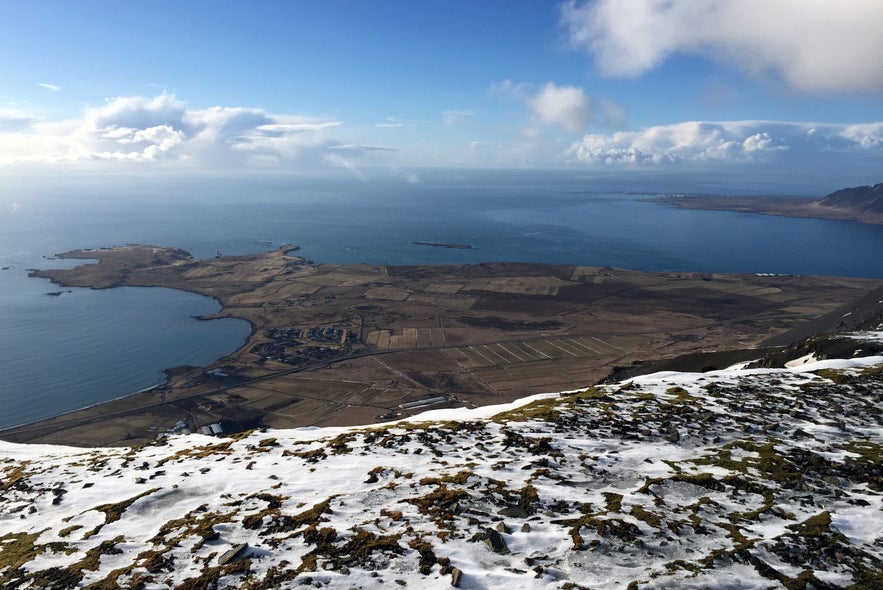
x=866, y=135
x=727, y=141
x=164, y=129
x=567, y=106
x=814, y=45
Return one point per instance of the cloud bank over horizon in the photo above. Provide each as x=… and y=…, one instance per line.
x=162, y=132
x=729, y=141
x=815, y=46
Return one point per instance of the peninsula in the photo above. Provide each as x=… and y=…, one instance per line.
x=862, y=203
x=355, y=344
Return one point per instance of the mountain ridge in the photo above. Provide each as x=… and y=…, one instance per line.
x=862, y=203
x=867, y=198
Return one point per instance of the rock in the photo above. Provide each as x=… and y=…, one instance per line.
x=525, y=528
x=456, y=575
x=502, y=528
x=233, y=554
x=515, y=512
x=495, y=542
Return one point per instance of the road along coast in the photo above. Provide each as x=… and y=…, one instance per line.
x=357, y=344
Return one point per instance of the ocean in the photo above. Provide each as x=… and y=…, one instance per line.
x=82, y=347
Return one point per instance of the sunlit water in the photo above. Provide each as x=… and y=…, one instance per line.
x=83, y=347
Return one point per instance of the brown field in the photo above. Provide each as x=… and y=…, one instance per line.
x=787, y=207
x=360, y=340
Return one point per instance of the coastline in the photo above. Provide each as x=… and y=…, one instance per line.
x=339, y=345
x=776, y=206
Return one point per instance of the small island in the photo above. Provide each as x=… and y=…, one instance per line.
x=446, y=245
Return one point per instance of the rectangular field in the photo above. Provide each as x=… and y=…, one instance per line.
x=526, y=351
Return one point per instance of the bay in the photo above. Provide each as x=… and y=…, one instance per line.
x=82, y=347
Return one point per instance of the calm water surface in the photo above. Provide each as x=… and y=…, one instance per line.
x=83, y=347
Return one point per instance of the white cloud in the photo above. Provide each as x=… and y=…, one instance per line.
x=283, y=128
x=356, y=148
x=51, y=87
x=867, y=135
x=814, y=45
x=163, y=129
x=392, y=122
x=567, y=106
x=726, y=141
x=760, y=142
x=509, y=88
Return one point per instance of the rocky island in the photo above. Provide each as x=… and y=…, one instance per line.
x=448, y=245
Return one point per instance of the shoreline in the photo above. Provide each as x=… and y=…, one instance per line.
x=352, y=344
x=798, y=207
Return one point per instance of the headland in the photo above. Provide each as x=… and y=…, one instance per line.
x=863, y=204
x=355, y=344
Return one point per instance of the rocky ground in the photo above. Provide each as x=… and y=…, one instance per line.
x=762, y=478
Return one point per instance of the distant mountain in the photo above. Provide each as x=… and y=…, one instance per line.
x=868, y=199
x=862, y=203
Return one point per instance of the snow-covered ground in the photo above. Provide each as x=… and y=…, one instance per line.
x=731, y=479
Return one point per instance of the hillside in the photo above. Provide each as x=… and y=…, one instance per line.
x=765, y=478
x=866, y=199
x=863, y=204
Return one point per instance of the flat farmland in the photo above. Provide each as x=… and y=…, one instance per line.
x=351, y=344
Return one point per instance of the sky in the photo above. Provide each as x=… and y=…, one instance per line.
x=344, y=87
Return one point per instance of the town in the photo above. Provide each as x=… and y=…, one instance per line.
x=286, y=345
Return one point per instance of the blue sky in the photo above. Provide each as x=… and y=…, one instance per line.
x=347, y=86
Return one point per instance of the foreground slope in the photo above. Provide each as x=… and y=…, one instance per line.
x=768, y=478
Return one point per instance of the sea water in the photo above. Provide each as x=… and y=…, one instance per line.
x=59, y=353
